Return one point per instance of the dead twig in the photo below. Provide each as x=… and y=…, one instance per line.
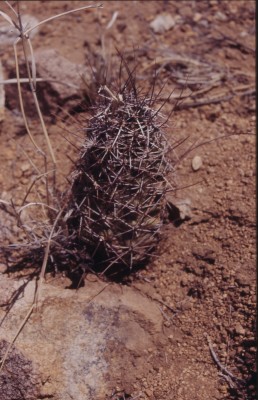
x=214, y=100
x=223, y=369
x=231, y=41
x=26, y=80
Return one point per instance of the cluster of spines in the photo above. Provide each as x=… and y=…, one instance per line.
x=119, y=187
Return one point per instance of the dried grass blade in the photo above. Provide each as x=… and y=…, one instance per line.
x=33, y=64
x=8, y=19
x=44, y=264
x=11, y=7
x=20, y=98
x=61, y=15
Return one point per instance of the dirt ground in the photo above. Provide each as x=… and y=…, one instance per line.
x=204, y=278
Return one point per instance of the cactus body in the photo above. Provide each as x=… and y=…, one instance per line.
x=119, y=184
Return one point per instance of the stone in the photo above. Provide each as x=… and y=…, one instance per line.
x=242, y=279
x=220, y=16
x=239, y=330
x=149, y=393
x=3, y=268
x=62, y=83
x=25, y=166
x=196, y=163
x=179, y=210
x=76, y=342
x=19, y=379
x=162, y=23
x=185, y=209
x=197, y=17
x=58, y=70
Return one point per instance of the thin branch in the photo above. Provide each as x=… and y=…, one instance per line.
x=61, y=15
x=214, y=100
x=26, y=80
x=21, y=100
x=36, y=204
x=47, y=249
x=217, y=361
x=11, y=7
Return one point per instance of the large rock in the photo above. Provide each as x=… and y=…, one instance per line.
x=64, y=76
x=61, y=87
x=78, y=344
x=19, y=380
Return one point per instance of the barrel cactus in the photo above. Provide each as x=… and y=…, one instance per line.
x=119, y=185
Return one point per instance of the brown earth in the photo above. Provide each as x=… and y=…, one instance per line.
x=204, y=278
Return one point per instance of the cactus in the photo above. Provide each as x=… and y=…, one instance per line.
x=119, y=184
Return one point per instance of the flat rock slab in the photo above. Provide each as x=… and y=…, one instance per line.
x=62, y=83
x=76, y=343
x=64, y=76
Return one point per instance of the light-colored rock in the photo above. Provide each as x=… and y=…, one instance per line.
x=3, y=268
x=196, y=163
x=239, y=330
x=220, y=16
x=162, y=23
x=185, y=209
x=197, y=17
x=180, y=209
x=25, y=166
x=64, y=76
x=81, y=343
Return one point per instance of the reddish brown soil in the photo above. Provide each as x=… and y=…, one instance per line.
x=204, y=278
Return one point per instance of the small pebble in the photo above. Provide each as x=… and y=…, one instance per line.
x=25, y=166
x=196, y=163
x=3, y=268
x=197, y=17
x=220, y=16
x=184, y=282
x=239, y=329
x=148, y=393
x=162, y=23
